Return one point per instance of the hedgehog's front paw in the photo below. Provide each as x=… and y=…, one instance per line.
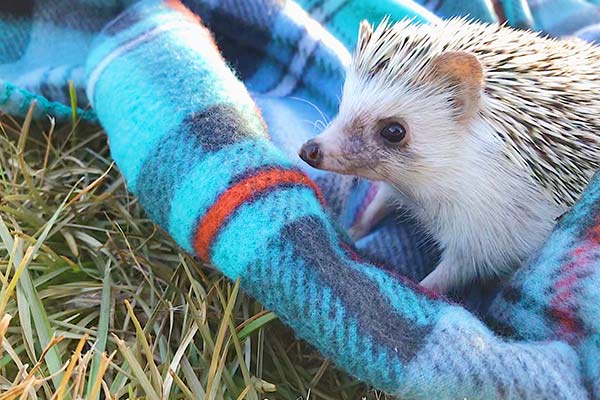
x=377, y=206
x=440, y=280
x=432, y=283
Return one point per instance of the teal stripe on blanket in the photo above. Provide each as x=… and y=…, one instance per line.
x=263, y=218
x=174, y=102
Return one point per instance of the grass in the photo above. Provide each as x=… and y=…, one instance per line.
x=98, y=302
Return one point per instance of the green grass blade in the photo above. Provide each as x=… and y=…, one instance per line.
x=192, y=380
x=137, y=369
x=141, y=336
x=102, y=334
x=38, y=313
x=73, y=98
x=174, y=366
x=216, y=364
x=255, y=325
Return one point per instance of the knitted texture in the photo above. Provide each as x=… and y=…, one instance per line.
x=193, y=146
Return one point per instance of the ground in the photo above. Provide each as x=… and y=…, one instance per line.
x=95, y=299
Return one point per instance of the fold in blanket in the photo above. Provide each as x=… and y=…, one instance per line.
x=193, y=146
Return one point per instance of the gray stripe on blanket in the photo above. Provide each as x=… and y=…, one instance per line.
x=207, y=130
x=359, y=294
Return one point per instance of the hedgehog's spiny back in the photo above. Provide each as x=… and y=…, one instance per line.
x=542, y=96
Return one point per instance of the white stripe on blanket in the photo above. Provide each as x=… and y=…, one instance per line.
x=131, y=44
x=315, y=33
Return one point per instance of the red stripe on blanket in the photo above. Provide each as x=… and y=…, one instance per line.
x=562, y=305
x=177, y=5
x=237, y=195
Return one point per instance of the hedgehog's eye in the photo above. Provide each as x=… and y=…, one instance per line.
x=393, y=132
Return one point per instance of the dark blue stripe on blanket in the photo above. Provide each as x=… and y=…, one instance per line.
x=16, y=9
x=244, y=40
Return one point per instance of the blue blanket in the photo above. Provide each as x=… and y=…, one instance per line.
x=211, y=156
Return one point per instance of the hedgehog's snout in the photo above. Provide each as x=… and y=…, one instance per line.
x=311, y=153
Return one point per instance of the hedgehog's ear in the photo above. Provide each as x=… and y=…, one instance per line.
x=365, y=31
x=463, y=71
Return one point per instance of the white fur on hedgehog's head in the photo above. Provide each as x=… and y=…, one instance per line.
x=406, y=105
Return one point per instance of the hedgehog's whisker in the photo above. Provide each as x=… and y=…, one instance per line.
x=319, y=124
x=321, y=113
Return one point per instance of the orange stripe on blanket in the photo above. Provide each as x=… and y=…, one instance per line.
x=237, y=195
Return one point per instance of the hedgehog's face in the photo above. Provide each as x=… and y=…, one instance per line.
x=406, y=134
x=394, y=135
x=404, y=114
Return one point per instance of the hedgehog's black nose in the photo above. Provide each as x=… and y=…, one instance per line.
x=311, y=153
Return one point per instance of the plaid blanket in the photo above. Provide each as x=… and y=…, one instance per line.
x=210, y=152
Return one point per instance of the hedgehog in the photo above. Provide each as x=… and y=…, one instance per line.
x=484, y=133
